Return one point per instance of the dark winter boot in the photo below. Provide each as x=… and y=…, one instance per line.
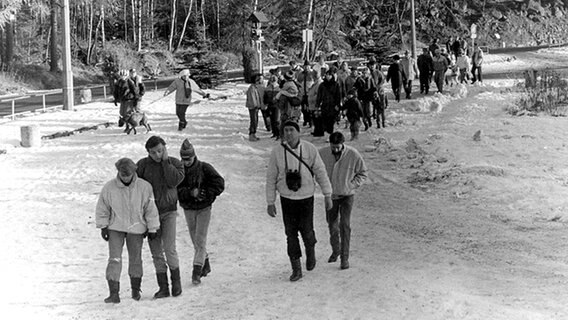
x=176, y=282
x=344, y=262
x=206, y=268
x=310, y=258
x=196, y=276
x=114, y=287
x=164, y=290
x=135, y=285
x=296, y=269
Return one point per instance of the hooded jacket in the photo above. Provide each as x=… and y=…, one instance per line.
x=164, y=177
x=129, y=209
x=206, y=179
x=347, y=173
x=276, y=173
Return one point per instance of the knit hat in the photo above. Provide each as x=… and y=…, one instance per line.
x=289, y=75
x=186, y=150
x=125, y=166
x=184, y=72
x=291, y=123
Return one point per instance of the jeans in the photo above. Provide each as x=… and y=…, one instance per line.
x=133, y=245
x=165, y=244
x=198, y=224
x=253, y=113
x=339, y=223
x=439, y=77
x=476, y=77
x=298, y=216
x=275, y=121
x=180, y=113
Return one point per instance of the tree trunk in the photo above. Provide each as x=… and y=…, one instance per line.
x=9, y=55
x=218, y=25
x=203, y=21
x=133, y=17
x=173, y=25
x=139, y=13
x=150, y=10
x=53, y=53
x=125, y=18
x=90, y=36
x=185, y=24
x=103, y=35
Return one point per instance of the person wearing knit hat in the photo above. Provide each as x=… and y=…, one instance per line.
x=184, y=86
x=293, y=169
x=197, y=192
x=164, y=173
x=117, y=215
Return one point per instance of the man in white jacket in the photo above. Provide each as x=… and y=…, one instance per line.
x=347, y=172
x=126, y=211
x=291, y=171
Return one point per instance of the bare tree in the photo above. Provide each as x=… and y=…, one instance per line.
x=188, y=9
x=173, y=24
x=53, y=53
x=203, y=20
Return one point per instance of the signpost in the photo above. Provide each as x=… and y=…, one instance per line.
x=307, y=37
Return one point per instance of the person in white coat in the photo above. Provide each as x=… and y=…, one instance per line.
x=126, y=212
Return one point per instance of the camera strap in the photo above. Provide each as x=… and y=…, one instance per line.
x=287, y=148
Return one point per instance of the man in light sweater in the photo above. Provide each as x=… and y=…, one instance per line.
x=291, y=171
x=347, y=172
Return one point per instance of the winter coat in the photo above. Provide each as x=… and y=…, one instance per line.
x=329, y=97
x=378, y=79
x=164, y=177
x=178, y=86
x=349, y=83
x=269, y=94
x=396, y=75
x=463, y=62
x=255, y=96
x=409, y=67
x=365, y=88
x=477, y=57
x=129, y=209
x=306, y=80
x=204, y=177
x=125, y=90
x=353, y=109
x=346, y=174
x=425, y=63
x=440, y=63
x=276, y=173
x=140, y=85
x=313, y=94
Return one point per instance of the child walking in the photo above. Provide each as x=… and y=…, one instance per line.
x=354, y=112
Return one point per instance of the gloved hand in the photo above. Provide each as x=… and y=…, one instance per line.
x=271, y=210
x=115, y=104
x=153, y=235
x=104, y=233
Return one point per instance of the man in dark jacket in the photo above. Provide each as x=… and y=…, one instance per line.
x=328, y=101
x=197, y=192
x=164, y=174
x=425, y=68
x=396, y=76
x=125, y=92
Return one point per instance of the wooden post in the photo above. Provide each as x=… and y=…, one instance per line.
x=67, y=68
x=30, y=136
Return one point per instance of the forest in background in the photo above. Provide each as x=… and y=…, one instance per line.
x=157, y=36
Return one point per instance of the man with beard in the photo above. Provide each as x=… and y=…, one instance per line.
x=292, y=167
x=347, y=172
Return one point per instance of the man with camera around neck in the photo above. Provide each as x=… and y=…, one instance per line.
x=292, y=167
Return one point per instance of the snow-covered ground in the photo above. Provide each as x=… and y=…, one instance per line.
x=446, y=227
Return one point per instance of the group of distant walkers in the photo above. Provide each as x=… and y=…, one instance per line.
x=320, y=94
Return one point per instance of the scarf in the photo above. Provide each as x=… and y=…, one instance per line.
x=187, y=88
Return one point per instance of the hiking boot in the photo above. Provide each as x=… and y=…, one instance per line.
x=296, y=269
x=196, y=275
x=176, y=282
x=135, y=286
x=164, y=290
x=332, y=258
x=114, y=287
x=310, y=258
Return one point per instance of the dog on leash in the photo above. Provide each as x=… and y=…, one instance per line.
x=136, y=119
x=452, y=75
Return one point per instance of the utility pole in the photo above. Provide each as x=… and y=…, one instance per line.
x=67, y=70
x=412, y=30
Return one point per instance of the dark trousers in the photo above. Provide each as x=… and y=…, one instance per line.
x=329, y=122
x=317, y=122
x=476, y=77
x=379, y=106
x=366, y=105
x=408, y=88
x=339, y=223
x=274, y=114
x=439, y=78
x=180, y=113
x=298, y=216
x=307, y=115
x=253, y=113
x=424, y=82
x=396, y=92
x=266, y=118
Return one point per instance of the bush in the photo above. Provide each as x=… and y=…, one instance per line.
x=548, y=94
x=210, y=70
